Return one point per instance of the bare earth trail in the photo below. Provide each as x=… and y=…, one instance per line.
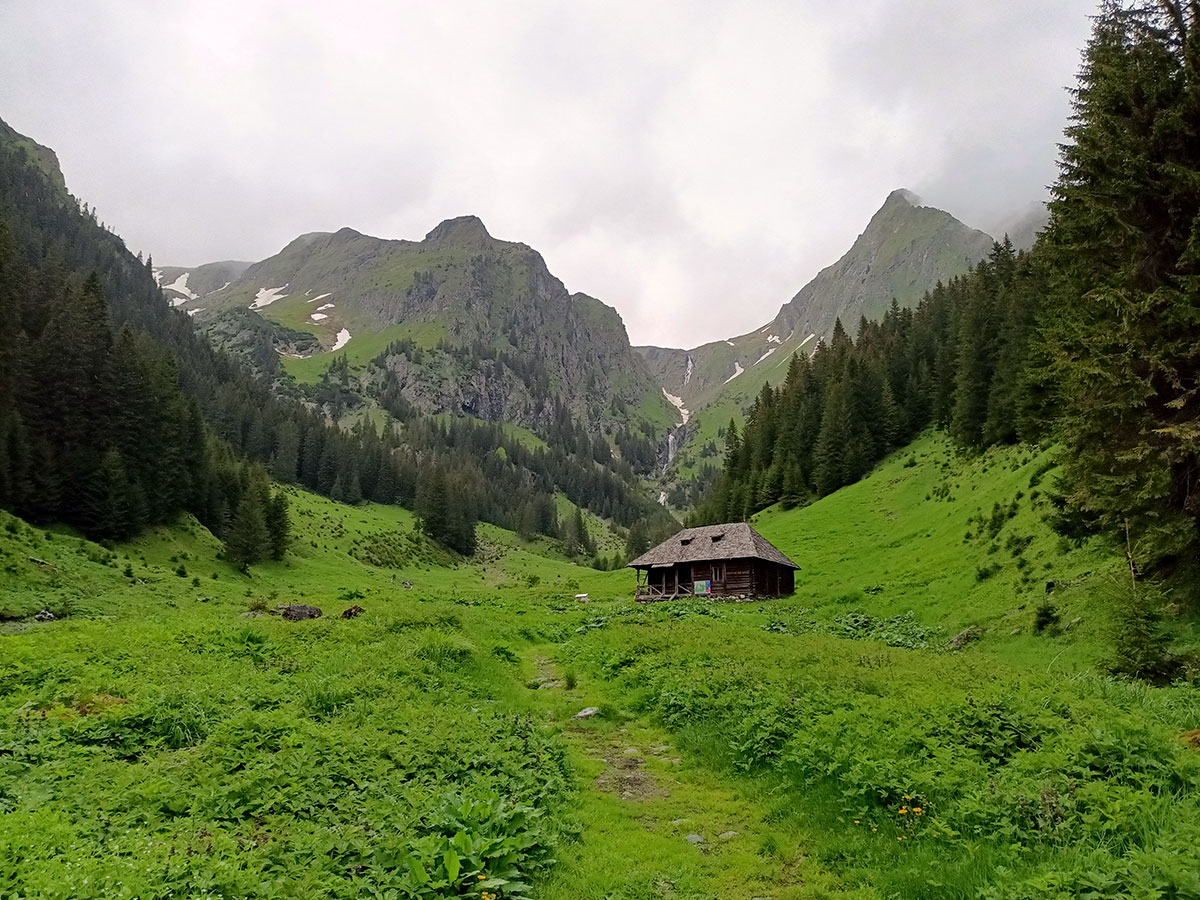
x=656, y=824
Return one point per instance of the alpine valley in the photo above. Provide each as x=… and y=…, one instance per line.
x=463, y=324
x=390, y=569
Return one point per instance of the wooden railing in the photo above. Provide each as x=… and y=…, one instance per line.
x=646, y=593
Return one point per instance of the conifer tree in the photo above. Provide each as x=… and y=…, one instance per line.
x=249, y=539
x=1123, y=247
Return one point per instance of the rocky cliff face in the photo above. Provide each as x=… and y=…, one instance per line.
x=501, y=337
x=903, y=252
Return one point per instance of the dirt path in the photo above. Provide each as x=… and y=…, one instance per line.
x=655, y=824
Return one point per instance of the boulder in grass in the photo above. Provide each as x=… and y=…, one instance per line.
x=43, y=615
x=586, y=712
x=297, y=611
x=353, y=612
x=966, y=636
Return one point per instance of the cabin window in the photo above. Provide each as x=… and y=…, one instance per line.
x=718, y=572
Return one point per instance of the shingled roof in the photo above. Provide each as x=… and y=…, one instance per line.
x=733, y=540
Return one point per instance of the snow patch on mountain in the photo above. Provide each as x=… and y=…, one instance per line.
x=737, y=370
x=267, y=296
x=320, y=297
x=198, y=309
x=806, y=340
x=773, y=339
x=179, y=286
x=343, y=338
x=677, y=402
x=324, y=307
x=764, y=356
x=317, y=317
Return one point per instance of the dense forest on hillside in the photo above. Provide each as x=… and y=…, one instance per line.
x=94, y=350
x=956, y=361
x=1088, y=342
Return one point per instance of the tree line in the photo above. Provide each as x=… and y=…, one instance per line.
x=1089, y=342
x=95, y=429
x=955, y=361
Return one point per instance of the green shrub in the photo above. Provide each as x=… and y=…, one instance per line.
x=1045, y=616
x=1139, y=636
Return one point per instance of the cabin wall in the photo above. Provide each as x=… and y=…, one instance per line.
x=730, y=578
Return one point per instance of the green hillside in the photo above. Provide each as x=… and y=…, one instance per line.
x=166, y=730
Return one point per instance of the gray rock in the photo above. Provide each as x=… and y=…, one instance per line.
x=297, y=611
x=695, y=839
x=966, y=636
x=586, y=712
x=726, y=835
x=43, y=615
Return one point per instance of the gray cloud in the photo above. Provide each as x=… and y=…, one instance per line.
x=692, y=164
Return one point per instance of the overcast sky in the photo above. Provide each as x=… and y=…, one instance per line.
x=691, y=164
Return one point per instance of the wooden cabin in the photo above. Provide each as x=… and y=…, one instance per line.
x=731, y=560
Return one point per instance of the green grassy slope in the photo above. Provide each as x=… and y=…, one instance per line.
x=823, y=745
x=959, y=540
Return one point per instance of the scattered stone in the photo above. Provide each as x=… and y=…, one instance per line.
x=250, y=614
x=586, y=713
x=966, y=636
x=726, y=835
x=632, y=751
x=44, y=615
x=672, y=759
x=695, y=839
x=297, y=611
x=660, y=749
x=582, y=598
x=203, y=599
x=680, y=821
x=353, y=612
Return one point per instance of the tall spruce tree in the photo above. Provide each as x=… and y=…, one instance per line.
x=1122, y=334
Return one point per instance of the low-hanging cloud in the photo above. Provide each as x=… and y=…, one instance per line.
x=692, y=164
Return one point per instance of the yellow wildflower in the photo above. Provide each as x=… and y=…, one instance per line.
x=903, y=810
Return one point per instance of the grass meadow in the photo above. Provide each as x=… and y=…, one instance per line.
x=167, y=736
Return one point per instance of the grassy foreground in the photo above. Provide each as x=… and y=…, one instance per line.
x=166, y=738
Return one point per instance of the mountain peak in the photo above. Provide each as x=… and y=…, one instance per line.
x=903, y=195
x=462, y=229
